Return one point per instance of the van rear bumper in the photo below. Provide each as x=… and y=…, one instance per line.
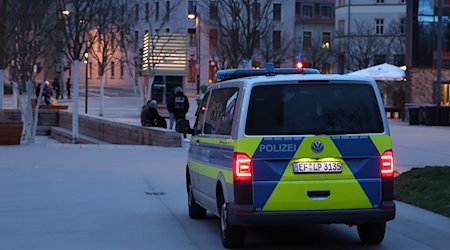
x=244, y=215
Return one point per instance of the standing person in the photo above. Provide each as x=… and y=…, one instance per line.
x=178, y=106
x=56, y=87
x=68, y=85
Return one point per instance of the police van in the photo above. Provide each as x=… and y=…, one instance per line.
x=289, y=147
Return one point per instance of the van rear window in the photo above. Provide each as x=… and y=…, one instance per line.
x=293, y=109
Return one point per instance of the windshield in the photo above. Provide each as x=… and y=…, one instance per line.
x=293, y=109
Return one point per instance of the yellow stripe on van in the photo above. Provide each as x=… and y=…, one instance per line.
x=247, y=145
x=381, y=142
x=291, y=192
x=211, y=171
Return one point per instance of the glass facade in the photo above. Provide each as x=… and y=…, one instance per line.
x=424, y=35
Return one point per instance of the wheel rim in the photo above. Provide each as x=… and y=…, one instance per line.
x=223, y=219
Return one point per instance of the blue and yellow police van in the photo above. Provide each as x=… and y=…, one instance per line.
x=289, y=147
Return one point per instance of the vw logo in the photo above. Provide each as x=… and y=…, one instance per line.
x=317, y=147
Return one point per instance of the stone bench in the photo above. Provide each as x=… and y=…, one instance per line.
x=65, y=136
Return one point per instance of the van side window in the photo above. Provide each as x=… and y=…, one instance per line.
x=201, y=110
x=220, y=111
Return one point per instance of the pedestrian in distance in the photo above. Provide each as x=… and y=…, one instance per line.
x=178, y=106
x=48, y=94
x=56, y=87
x=68, y=85
x=150, y=116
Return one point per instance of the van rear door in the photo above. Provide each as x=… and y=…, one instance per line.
x=317, y=146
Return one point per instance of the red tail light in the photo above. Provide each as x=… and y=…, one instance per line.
x=242, y=168
x=387, y=164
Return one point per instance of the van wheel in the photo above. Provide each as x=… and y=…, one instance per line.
x=233, y=236
x=372, y=233
x=195, y=210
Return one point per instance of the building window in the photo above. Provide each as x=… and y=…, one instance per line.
x=402, y=25
x=341, y=27
x=277, y=11
x=212, y=70
x=157, y=10
x=307, y=37
x=325, y=11
x=256, y=9
x=276, y=37
x=213, y=10
x=298, y=9
x=192, y=39
x=379, y=1
x=113, y=67
x=192, y=7
x=213, y=34
x=326, y=40
x=379, y=26
x=147, y=11
x=122, y=70
x=167, y=10
x=307, y=11
x=90, y=70
x=136, y=15
x=98, y=70
x=235, y=11
x=341, y=3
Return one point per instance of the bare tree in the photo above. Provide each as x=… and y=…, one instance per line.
x=131, y=56
x=30, y=53
x=106, y=34
x=318, y=54
x=361, y=49
x=276, y=52
x=240, y=27
x=78, y=20
x=2, y=50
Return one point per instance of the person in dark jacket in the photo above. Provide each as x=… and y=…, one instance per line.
x=150, y=116
x=178, y=106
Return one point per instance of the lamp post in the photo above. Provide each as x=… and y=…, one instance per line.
x=196, y=16
x=86, y=61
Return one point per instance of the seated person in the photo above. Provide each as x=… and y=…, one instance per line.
x=150, y=116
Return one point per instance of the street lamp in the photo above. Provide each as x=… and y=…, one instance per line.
x=195, y=15
x=86, y=61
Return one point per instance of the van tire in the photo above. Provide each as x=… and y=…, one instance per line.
x=233, y=236
x=195, y=210
x=372, y=233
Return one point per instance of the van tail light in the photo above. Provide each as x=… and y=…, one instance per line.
x=387, y=164
x=242, y=168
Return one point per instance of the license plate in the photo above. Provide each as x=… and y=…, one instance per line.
x=318, y=167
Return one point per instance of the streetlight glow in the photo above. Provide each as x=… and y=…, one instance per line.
x=191, y=16
x=65, y=12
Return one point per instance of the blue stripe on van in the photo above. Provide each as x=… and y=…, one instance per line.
x=362, y=157
x=270, y=160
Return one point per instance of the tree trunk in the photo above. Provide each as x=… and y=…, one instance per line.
x=2, y=85
x=151, y=78
x=102, y=94
x=136, y=89
x=36, y=110
x=76, y=85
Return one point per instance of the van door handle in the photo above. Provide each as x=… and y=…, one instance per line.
x=319, y=195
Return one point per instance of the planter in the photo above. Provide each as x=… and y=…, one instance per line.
x=10, y=132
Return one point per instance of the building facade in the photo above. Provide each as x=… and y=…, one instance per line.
x=370, y=32
x=314, y=32
x=422, y=54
